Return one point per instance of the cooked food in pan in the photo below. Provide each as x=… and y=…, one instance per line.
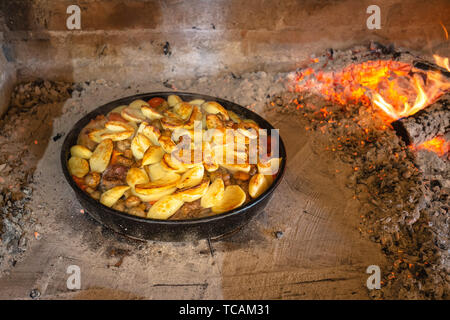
x=171, y=159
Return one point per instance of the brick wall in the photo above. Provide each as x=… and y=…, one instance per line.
x=205, y=37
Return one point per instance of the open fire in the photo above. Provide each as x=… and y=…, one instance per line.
x=393, y=89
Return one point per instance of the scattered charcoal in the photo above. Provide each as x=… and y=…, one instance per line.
x=166, y=49
x=279, y=234
x=35, y=293
x=58, y=136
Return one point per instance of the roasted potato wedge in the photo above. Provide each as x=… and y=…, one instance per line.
x=190, y=194
x=173, y=100
x=80, y=152
x=197, y=102
x=215, y=108
x=170, y=123
x=110, y=197
x=133, y=114
x=153, y=155
x=168, y=181
x=167, y=144
x=258, y=184
x=118, y=109
x=151, y=113
x=165, y=207
x=156, y=171
x=233, y=116
x=139, y=145
x=118, y=126
x=213, y=121
x=96, y=134
x=213, y=196
x=233, y=197
x=269, y=167
x=196, y=115
x=191, y=177
x=101, y=156
x=183, y=110
x=150, y=132
x=116, y=135
x=78, y=167
x=154, y=196
x=137, y=104
x=137, y=176
x=244, y=167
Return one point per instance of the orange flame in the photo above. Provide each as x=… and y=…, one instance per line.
x=393, y=87
x=441, y=62
x=437, y=145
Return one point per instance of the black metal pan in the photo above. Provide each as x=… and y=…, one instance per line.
x=169, y=230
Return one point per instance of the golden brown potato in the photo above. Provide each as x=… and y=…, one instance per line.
x=191, y=177
x=153, y=197
x=193, y=193
x=101, y=156
x=136, y=176
x=170, y=123
x=165, y=207
x=137, y=104
x=183, y=110
x=197, y=102
x=150, y=132
x=215, y=108
x=151, y=113
x=167, y=144
x=168, y=182
x=116, y=135
x=139, y=145
x=233, y=197
x=78, y=167
x=80, y=152
x=257, y=185
x=132, y=114
x=110, y=197
x=269, y=167
x=118, y=126
x=213, y=121
x=173, y=100
x=196, y=115
x=214, y=194
x=153, y=155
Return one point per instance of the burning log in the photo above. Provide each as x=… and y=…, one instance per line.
x=428, y=66
x=425, y=124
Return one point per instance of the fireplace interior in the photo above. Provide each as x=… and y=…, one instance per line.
x=364, y=114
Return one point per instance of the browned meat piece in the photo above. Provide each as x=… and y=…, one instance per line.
x=92, y=180
x=189, y=210
x=123, y=145
x=113, y=176
x=137, y=211
x=132, y=201
x=124, y=161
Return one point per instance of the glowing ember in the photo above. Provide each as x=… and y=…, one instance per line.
x=437, y=145
x=391, y=86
